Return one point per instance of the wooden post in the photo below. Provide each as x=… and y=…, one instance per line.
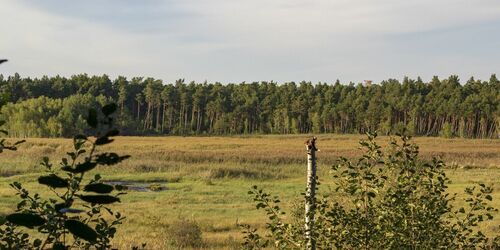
x=310, y=193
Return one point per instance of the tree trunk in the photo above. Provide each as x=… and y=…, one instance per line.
x=198, y=120
x=147, y=121
x=138, y=110
x=163, y=115
x=310, y=193
x=158, y=109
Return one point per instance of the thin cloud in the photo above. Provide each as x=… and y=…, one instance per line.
x=233, y=41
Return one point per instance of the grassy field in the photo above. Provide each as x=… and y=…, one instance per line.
x=207, y=178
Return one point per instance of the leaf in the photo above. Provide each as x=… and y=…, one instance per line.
x=26, y=220
x=84, y=167
x=488, y=197
x=100, y=188
x=110, y=158
x=68, y=169
x=80, y=137
x=37, y=243
x=99, y=199
x=103, y=140
x=109, y=109
x=81, y=230
x=80, y=168
x=60, y=206
x=58, y=246
x=92, y=118
x=53, y=181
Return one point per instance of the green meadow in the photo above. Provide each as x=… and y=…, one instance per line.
x=205, y=180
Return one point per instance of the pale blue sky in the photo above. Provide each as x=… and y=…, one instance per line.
x=236, y=40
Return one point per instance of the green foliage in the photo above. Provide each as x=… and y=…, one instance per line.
x=252, y=240
x=282, y=235
x=4, y=144
x=384, y=200
x=46, y=117
x=74, y=210
x=56, y=106
x=316, y=123
x=446, y=131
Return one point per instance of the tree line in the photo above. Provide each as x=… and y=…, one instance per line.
x=56, y=106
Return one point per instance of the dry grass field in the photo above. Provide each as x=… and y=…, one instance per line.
x=206, y=179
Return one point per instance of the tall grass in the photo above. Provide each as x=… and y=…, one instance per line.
x=207, y=178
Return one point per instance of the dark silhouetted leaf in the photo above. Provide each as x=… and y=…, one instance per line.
x=109, y=109
x=68, y=169
x=80, y=137
x=80, y=230
x=37, y=243
x=103, y=140
x=60, y=206
x=58, y=246
x=100, y=188
x=27, y=220
x=99, y=199
x=84, y=167
x=80, y=168
x=53, y=181
x=110, y=158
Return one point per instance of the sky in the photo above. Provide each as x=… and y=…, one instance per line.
x=256, y=40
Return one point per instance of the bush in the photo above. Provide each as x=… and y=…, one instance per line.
x=383, y=200
x=77, y=208
x=185, y=233
x=446, y=130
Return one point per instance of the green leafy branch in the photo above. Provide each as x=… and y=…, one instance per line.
x=78, y=206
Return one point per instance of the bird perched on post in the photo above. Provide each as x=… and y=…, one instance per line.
x=3, y=60
x=311, y=144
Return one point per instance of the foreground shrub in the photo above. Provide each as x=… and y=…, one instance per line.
x=78, y=216
x=383, y=200
x=185, y=233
